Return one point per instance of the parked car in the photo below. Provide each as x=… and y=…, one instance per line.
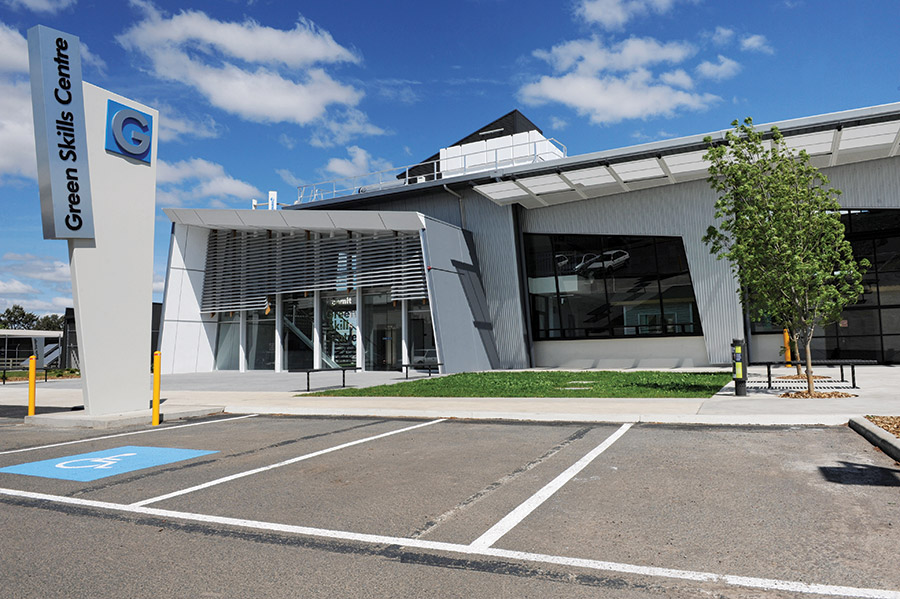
x=608, y=260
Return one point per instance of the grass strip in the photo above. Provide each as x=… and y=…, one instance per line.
x=550, y=384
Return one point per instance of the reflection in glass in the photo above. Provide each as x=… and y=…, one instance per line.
x=382, y=331
x=339, y=329
x=588, y=286
x=298, y=332
x=228, y=341
x=261, y=340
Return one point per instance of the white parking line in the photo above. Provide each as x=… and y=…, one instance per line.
x=529, y=505
x=768, y=584
x=226, y=479
x=149, y=430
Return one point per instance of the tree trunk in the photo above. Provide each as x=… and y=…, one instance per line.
x=810, y=387
x=797, y=354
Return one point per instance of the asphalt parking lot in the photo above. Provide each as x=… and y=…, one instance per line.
x=269, y=506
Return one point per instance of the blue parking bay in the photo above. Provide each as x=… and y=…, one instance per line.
x=86, y=467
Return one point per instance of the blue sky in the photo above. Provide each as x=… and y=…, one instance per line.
x=266, y=95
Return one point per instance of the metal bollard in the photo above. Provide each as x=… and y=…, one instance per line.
x=740, y=372
x=156, y=362
x=32, y=375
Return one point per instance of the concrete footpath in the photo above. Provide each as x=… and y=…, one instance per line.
x=271, y=393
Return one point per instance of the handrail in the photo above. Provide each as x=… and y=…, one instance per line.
x=473, y=162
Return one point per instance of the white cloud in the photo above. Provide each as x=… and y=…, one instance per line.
x=614, y=14
x=159, y=283
x=359, y=163
x=756, y=43
x=677, y=78
x=13, y=50
x=558, y=124
x=258, y=73
x=722, y=36
x=400, y=91
x=249, y=41
x=174, y=126
x=287, y=141
x=48, y=6
x=197, y=181
x=342, y=128
x=724, y=69
x=16, y=124
x=612, y=99
x=289, y=177
x=36, y=268
x=589, y=56
x=56, y=305
x=16, y=287
x=610, y=83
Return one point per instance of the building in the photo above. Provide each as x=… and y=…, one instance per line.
x=501, y=251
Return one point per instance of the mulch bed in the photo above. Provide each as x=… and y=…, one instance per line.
x=816, y=395
x=889, y=423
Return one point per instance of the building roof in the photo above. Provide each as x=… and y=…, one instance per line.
x=287, y=220
x=509, y=124
x=832, y=139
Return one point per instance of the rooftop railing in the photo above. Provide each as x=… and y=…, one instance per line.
x=449, y=166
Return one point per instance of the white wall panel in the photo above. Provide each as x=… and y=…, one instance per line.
x=683, y=210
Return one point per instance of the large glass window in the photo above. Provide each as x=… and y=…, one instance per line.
x=590, y=286
x=339, y=320
x=382, y=331
x=869, y=329
x=261, y=340
x=228, y=341
x=298, y=331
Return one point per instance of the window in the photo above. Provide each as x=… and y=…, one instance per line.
x=602, y=286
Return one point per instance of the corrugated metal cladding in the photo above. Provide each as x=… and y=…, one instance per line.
x=684, y=210
x=495, y=247
x=244, y=270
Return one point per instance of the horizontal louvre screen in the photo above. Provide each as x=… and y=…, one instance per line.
x=243, y=269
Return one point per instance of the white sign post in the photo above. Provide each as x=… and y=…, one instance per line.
x=111, y=250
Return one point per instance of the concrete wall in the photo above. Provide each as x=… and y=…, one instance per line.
x=188, y=338
x=662, y=352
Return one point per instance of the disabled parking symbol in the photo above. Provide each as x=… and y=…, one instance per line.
x=94, y=462
x=87, y=467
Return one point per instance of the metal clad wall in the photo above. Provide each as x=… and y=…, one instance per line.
x=436, y=204
x=874, y=184
x=495, y=245
x=683, y=210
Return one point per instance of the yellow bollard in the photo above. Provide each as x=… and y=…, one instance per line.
x=32, y=377
x=787, y=348
x=156, y=361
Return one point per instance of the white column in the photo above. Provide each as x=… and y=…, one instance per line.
x=317, y=330
x=279, y=333
x=404, y=328
x=242, y=351
x=360, y=345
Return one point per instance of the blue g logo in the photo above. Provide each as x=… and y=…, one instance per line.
x=128, y=131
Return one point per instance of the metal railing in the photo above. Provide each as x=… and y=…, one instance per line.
x=451, y=166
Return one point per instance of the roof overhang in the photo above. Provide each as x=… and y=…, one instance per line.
x=318, y=221
x=831, y=140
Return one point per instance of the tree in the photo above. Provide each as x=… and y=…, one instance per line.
x=50, y=322
x=778, y=224
x=17, y=318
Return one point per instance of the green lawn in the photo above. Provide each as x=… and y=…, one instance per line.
x=20, y=375
x=551, y=384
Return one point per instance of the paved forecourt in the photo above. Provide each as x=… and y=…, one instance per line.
x=640, y=508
